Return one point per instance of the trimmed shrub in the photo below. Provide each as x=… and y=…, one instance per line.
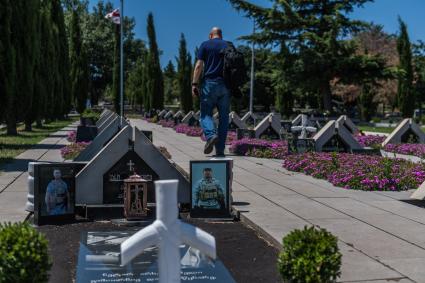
x=310, y=256
x=23, y=254
x=90, y=114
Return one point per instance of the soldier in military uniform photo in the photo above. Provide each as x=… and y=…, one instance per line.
x=209, y=193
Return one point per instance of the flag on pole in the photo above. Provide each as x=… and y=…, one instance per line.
x=114, y=16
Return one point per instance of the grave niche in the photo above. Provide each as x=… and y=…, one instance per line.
x=409, y=137
x=270, y=134
x=113, y=179
x=335, y=144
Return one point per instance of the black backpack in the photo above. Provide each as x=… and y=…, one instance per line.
x=234, y=69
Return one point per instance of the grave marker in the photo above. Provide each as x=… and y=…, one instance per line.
x=269, y=127
x=178, y=117
x=235, y=122
x=191, y=119
x=250, y=119
x=334, y=138
x=161, y=114
x=406, y=132
x=303, y=127
x=169, y=115
x=346, y=122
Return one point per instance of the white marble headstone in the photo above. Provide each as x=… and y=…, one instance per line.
x=404, y=126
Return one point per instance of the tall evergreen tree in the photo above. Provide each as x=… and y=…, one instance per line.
x=63, y=98
x=155, y=82
x=405, y=95
x=184, y=70
x=7, y=67
x=312, y=31
x=79, y=65
x=169, y=82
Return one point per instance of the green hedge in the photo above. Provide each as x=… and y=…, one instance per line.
x=23, y=254
x=89, y=113
x=310, y=256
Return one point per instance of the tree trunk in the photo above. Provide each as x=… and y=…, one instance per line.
x=28, y=126
x=327, y=97
x=11, y=128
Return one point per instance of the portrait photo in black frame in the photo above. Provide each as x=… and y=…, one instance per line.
x=210, y=189
x=54, y=192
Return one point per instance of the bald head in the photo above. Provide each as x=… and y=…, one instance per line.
x=216, y=33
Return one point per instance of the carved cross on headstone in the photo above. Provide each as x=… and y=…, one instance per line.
x=131, y=165
x=167, y=232
x=304, y=128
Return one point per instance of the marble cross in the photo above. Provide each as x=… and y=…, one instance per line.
x=168, y=233
x=303, y=128
x=131, y=165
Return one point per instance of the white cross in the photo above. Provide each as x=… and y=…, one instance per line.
x=167, y=232
x=304, y=128
x=130, y=165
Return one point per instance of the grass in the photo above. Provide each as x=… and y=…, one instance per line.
x=376, y=129
x=11, y=146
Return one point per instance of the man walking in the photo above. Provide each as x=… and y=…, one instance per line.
x=213, y=93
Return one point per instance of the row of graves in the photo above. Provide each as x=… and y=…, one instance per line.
x=121, y=173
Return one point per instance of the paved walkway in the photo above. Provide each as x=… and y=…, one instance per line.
x=382, y=239
x=13, y=176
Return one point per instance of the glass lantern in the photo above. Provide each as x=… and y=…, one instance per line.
x=135, y=197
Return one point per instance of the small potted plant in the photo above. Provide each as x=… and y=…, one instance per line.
x=310, y=255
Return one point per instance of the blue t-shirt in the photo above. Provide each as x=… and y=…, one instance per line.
x=210, y=53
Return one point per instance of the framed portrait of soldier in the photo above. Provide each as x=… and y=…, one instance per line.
x=54, y=192
x=210, y=186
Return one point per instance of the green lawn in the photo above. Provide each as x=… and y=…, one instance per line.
x=376, y=129
x=11, y=146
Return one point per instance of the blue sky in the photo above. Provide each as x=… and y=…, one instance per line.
x=195, y=18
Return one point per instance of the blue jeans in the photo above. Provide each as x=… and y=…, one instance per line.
x=215, y=94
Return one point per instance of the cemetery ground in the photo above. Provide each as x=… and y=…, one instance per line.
x=379, y=232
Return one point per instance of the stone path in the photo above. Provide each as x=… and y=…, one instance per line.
x=381, y=238
x=13, y=176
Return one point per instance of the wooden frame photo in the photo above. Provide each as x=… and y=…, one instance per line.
x=210, y=189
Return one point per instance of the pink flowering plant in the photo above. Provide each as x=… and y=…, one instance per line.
x=72, y=150
x=188, y=130
x=415, y=149
x=373, y=141
x=166, y=124
x=72, y=136
x=259, y=148
x=368, y=173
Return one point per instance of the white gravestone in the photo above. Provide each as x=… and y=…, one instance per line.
x=179, y=116
x=189, y=116
x=419, y=193
x=236, y=121
x=405, y=126
x=169, y=115
x=168, y=233
x=304, y=127
x=333, y=130
x=345, y=121
x=249, y=116
x=161, y=114
x=272, y=120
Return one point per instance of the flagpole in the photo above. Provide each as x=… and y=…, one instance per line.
x=122, y=62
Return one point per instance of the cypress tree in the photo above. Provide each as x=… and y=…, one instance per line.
x=79, y=66
x=62, y=93
x=169, y=79
x=405, y=95
x=7, y=59
x=155, y=82
x=184, y=69
x=116, y=70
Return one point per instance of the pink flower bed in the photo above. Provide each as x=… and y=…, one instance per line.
x=368, y=173
x=370, y=140
x=188, y=130
x=166, y=124
x=259, y=148
x=415, y=149
x=72, y=150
